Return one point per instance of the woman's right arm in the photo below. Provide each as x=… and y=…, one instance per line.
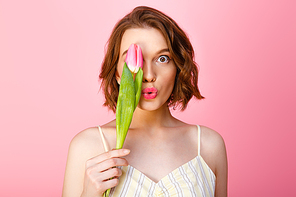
x=88, y=170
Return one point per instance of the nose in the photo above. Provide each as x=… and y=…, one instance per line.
x=148, y=73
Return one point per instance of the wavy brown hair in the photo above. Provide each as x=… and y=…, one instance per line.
x=180, y=48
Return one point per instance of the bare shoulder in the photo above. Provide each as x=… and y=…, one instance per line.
x=213, y=149
x=86, y=135
x=211, y=139
x=214, y=153
x=87, y=143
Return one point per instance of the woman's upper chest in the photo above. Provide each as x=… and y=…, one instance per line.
x=158, y=155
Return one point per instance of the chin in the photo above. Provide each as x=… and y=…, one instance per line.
x=151, y=106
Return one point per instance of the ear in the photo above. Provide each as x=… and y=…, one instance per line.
x=117, y=77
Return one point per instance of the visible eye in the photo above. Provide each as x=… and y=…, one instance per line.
x=163, y=59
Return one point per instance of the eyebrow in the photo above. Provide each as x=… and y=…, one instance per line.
x=163, y=50
x=160, y=51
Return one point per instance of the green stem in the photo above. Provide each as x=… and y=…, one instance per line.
x=125, y=106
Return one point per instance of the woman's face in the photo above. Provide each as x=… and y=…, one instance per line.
x=158, y=68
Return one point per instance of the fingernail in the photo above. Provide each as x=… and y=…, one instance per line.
x=126, y=151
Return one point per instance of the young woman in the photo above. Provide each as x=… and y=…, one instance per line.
x=162, y=156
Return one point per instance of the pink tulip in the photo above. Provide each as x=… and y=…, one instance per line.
x=134, y=58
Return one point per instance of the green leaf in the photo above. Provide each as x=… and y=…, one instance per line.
x=138, y=86
x=125, y=106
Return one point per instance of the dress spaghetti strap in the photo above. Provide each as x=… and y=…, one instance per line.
x=103, y=139
x=198, y=142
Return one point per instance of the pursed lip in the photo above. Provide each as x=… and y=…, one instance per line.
x=149, y=93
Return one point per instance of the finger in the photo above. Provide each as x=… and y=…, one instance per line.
x=107, y=164
x=102, y=186
x=110, y=163
x=109, y=184
x=107, y=179
x=107, y=155
x=110, y=174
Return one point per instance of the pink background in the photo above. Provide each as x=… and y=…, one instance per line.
x=50, y=56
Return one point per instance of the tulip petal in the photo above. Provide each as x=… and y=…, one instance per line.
x=134, y=58
x=139, y=57
x=131, y=57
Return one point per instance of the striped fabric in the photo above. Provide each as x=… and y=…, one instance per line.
x=194, y=178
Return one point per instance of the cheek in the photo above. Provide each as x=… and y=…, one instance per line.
x=169, y=80
x=170, y=76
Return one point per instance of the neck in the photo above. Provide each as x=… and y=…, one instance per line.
x=161, y=117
